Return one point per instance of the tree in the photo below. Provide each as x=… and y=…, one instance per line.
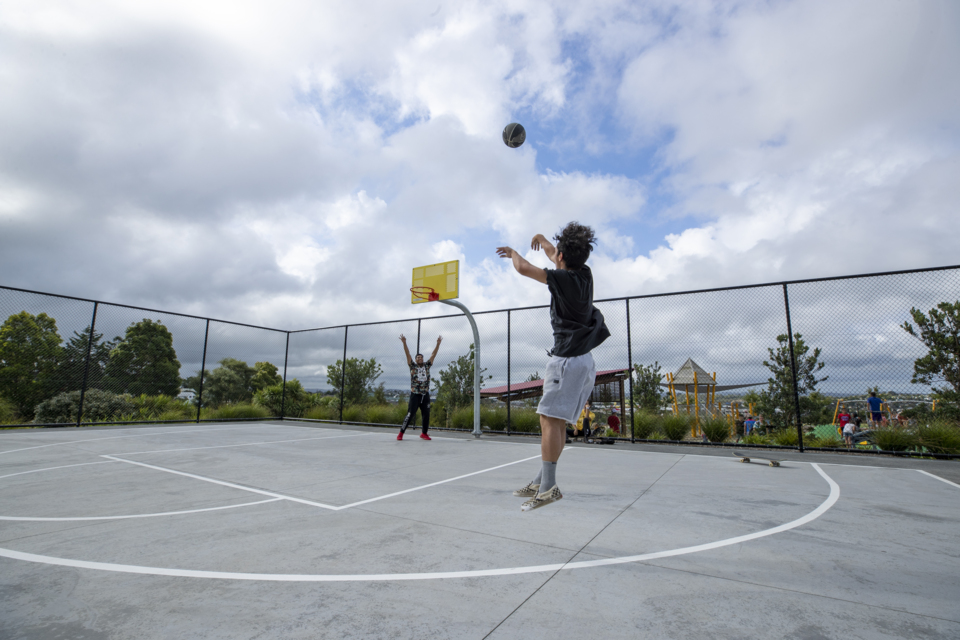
x=145, y=361
x=940, y=333
x=455, y=385
x=231, y=382
x=73, y=360
x=359, y=380
x=265, y=375
x=533, y=377
x=777, y=403
x=29, y=353
x=647, y=392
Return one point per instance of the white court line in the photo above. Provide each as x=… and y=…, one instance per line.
x=939, y=478
x=308, y=502
x=225, y=484
x=245, y=444
x=136, y=435
x=66, y=466
x=390, y=577
x=433, y=484
x=141, y=515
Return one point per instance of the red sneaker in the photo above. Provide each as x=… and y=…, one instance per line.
x=400, y=436
x=424, y=436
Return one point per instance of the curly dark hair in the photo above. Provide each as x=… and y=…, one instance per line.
x=575, y=242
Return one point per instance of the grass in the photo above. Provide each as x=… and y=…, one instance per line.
x=828, y=441
x=716, y=428
x=645, y=424
x=675, y=426
x=322, y=412
x=940, y=436
x=235, y=412
x=786, y=437
x=895, y=439
x=757, y=438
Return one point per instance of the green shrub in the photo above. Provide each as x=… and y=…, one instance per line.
x=524, y=420
x=757, y=438
x=355, y=413
x=676, y=426
x=294, y=402
x=645, y=424
x=8, y=412
x=98, y=406
x=895, y=439
x=940, y=436
x=786, y=437
x=462, y=418
x=178, y=415
x=828, y=441
x=494, y=418
x=236, y=412
x=438, y=413
x=716, y=428
x=153, y=407
x=323, y=412
x=388, y=413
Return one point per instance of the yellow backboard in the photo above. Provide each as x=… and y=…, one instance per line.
x=443, y=277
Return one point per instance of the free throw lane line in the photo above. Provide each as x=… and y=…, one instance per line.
x=244, y=444
x=224, y=484
x=391, y=577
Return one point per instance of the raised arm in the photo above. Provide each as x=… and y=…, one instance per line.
x=435, y=350
x=523, y=267
x=403, y=339
x=540, y=242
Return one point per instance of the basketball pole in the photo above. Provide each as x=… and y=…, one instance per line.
x=476, y=364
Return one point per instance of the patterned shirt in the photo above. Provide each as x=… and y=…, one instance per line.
x=420, y=378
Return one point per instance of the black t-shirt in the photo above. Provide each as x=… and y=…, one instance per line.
x=578, y=326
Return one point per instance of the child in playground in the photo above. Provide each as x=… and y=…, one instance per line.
x=578, y=328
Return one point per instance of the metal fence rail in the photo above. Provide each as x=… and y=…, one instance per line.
x=70, y=358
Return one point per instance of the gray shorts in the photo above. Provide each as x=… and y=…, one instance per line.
x=567, y=385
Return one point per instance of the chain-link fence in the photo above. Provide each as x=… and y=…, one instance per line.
x=782, y=364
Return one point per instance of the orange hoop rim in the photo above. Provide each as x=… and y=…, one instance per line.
x=425, y=293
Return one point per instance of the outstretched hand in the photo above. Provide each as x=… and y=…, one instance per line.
x=403, y=338
x=537, y=242
x=505, y=252
x=439, y=340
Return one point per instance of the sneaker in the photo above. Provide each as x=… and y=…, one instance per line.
x=424, y=436
x=400, y=436
x=542, y=499
x=529, y=491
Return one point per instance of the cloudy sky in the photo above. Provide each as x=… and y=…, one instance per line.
x=288, y=163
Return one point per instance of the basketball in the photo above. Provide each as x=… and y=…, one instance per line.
x=514, y=135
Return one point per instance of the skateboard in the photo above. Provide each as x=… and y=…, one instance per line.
x=745, y=457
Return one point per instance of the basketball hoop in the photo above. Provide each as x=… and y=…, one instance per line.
x=425, y=293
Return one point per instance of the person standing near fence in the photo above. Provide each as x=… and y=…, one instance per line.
x=876, y=406
x=578, y=328
x=419, y=388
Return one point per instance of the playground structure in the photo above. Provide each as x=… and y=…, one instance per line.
x=692, y=378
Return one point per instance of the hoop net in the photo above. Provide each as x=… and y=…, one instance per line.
x=425, y=293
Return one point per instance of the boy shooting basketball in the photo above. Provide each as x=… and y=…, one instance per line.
x=578, y=328
x=419, y=388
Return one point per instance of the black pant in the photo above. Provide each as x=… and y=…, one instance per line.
x=417, y=401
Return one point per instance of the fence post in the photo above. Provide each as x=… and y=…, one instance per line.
x=86, y=365
x=283, y=395
x=343, y=371
x=418, y=338
x=630, y=373
x=793, y=368
x=508, y=372
x=203, y=366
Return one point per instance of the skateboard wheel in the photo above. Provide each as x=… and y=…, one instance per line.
x=774, y=464
x=744, y=459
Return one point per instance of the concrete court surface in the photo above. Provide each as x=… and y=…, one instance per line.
x=288, y=530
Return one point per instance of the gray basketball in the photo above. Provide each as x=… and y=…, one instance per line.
x=514, y=135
